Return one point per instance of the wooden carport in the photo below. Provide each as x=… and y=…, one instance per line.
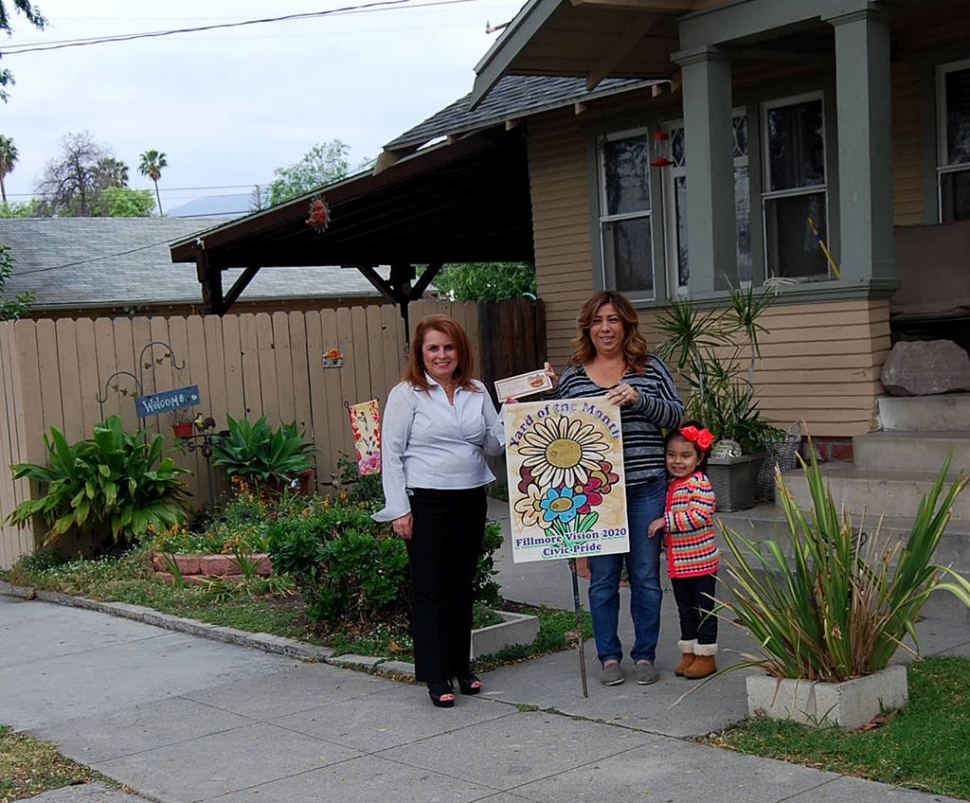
x=459, y=201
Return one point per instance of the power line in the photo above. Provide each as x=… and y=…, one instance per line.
x=160, y=189
x=377, y=5
x=101, y=257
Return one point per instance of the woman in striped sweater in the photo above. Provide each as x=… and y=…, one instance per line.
x=610, y=358
x=691, y=547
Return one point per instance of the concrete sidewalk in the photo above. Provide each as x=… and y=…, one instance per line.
x=182, y=718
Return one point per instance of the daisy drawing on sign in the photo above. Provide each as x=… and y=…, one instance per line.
x=562, y=452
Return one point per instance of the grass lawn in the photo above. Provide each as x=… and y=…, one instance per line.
x=29, y=767
x=924, y=746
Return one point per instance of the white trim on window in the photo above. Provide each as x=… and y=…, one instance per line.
x=609, y=277
x=767, y=193
x=943, y=166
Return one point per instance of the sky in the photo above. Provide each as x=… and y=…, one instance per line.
x=227, y=107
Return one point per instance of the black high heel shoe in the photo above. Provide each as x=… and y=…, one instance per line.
x=441, y=694
x=469, y=685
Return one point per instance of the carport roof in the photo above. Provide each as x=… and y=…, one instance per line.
x=462, y=201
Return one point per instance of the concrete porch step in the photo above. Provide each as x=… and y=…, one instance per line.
x=875, y=492
x=767, y=522
x=948, y=412
x=911, y=451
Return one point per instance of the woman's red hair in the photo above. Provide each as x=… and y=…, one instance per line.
x=416, y=373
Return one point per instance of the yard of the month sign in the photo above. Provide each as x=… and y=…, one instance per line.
x=566, y=493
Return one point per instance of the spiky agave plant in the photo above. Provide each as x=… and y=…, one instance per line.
x=839, y=608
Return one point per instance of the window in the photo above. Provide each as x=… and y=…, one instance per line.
x=953, y=163
x=675, y=188
x=796, y=193
x=625, y=213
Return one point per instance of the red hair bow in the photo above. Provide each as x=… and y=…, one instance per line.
x=701, y=437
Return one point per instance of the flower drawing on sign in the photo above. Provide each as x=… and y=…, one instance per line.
x=563, y=452
x=563, y=476
x=530, y=508
x=562, y=504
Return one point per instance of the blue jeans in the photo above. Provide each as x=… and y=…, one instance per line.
x=644, y=503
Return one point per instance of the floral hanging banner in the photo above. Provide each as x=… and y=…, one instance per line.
x=365, y=420
x=566, y=493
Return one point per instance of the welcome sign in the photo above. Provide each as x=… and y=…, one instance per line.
x=565, y=471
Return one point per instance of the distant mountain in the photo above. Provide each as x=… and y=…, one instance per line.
x=220, y=205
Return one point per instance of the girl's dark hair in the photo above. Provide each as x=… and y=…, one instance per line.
x=703, y=454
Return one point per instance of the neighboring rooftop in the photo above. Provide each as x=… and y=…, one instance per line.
x=76, y=263
x=513, y=97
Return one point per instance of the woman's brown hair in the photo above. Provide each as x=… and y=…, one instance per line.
x=634, y=346
x=415, y=372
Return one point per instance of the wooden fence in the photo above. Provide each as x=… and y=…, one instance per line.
x=53, y=372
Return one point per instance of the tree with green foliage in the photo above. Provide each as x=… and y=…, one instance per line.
x=486, y=281
x=33, y=17
x=151, y=165
x=31, y=208
x=8, y=158
x=127, y=202
x=321, y=165
x=14, y=308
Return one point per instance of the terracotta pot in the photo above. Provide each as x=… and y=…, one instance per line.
x=183, y=429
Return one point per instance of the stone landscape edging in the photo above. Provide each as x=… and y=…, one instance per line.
x=280, y=645
x=518, y=624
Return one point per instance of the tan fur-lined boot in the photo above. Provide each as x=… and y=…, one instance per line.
x=704, y=663
x=686, y=656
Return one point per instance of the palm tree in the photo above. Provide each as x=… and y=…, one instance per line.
x=8, y=158
x=151, y=165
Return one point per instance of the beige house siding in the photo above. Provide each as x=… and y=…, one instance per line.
x=819, y=364
x=561, y=224
x=907, y=145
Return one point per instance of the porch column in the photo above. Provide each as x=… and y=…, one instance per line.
x=711, y=237
x=864, y=88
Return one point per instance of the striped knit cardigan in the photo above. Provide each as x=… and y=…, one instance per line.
x=691, y=547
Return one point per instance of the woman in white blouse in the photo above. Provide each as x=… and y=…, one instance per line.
x=439, y=424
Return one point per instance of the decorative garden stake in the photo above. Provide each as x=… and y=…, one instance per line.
x=318, y=217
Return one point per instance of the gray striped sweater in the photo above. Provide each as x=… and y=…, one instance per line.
x=658, y=407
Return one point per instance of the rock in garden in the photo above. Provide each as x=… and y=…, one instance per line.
x=926, y=367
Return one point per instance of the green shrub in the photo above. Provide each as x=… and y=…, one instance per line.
x=838, y=608
x=351, y=569
x=356, y=488
x=259, y=453
x=114, y=478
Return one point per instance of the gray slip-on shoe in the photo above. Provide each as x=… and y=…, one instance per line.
x=611, y=675
x=646, y=673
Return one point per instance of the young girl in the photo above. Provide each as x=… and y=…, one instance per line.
x=691, y=548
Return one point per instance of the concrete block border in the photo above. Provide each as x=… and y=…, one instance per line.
x=848, y=705
x=517, y=629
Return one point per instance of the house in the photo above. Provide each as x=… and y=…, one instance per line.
x=121, y=266
x=667, y=147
